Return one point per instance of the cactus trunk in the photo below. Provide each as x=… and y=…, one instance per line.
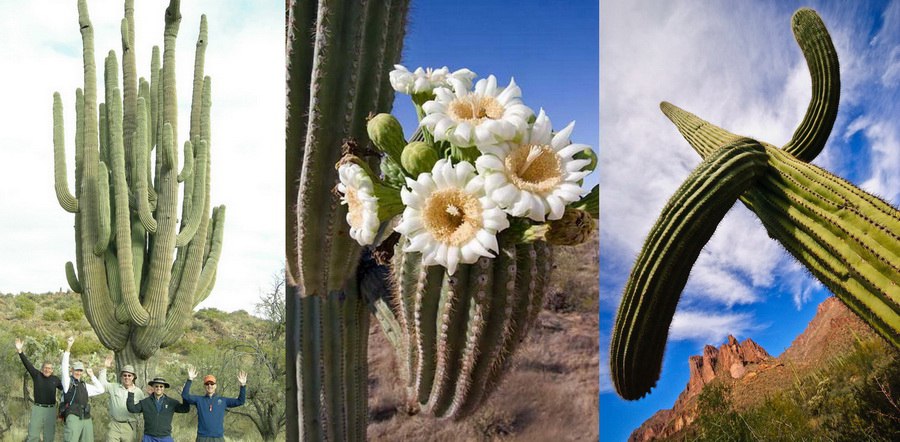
x=332, y=85
x=135, y=298
x=455, y=335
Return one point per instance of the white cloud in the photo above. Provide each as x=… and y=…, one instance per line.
x=707, y=327
x=42, y=46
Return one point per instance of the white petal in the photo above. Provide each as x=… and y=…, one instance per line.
x=562, y=137
x=488, y=240
x=541, y=130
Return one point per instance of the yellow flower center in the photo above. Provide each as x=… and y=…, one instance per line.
x=452, y=216
x=354, y=208
x=475, y=109
x=535, y=168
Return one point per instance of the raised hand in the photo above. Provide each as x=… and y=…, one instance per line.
x=19, y=345
x=70, y=341
x=192, y=372
x=242, y=377
x=108, y=362
x=90, y=372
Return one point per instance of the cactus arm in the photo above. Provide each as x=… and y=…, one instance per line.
x=72, y=278
x=480, y=281
x=661, y=270
x=199, y=201
x=211, y=260
x=812, y=36
x=355, y=354
x=502, y=297
x=95, y=297
x=704, y=137
x=845, y=237
x=404, y=302
x=433, y=288
x=155, y=73
x=139, y=174
x=128, y=285
x=187, y=169
x=198, y=84
x=454, y=305
x=66, y=200
x=103, y=215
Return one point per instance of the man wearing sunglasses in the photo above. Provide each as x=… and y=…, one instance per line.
x=211, y=407
x=123, y=426
x=158, y=410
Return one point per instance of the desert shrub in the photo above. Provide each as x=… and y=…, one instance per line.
x=50, y=315
x=72, y=314
x=25, y=307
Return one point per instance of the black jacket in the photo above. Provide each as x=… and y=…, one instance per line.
x=156, y=423
x=44, y=387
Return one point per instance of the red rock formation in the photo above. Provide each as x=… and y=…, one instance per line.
x=753, y=371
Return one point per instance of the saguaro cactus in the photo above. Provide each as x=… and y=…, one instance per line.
x=126, y=215
x=847, y=238
x=332, y=86
x=455, y=335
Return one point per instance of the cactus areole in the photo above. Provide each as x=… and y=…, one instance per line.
x=846, y=237
x=126, y=200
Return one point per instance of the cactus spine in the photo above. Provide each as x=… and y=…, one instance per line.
x=844, y=236
x=332, y=86
x=126, y=231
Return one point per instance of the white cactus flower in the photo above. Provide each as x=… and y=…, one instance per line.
x=448, y=217
x=483, y=116
x=427, y=79
x=358, y=193
x=537, y=177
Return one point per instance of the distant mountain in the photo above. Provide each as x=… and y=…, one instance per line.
x=753, y=374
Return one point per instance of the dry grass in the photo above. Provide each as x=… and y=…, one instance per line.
x=551, y=393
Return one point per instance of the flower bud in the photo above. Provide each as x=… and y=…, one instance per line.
x=386, y=134
x=418, y=157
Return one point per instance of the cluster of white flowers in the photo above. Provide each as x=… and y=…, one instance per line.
x=514, y=166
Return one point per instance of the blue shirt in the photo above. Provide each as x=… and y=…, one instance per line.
x=211, y=410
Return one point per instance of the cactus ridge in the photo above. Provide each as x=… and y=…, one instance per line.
x=125, y=214
x=845, y=237
x=465, y=327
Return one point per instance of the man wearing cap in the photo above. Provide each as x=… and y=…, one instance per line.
x=123, y=426
x=43, y=411
x=158, y=410
x=79, y=426
x=211, y=407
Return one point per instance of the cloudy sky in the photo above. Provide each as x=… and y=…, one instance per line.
x=735, y=64
x=41, y=49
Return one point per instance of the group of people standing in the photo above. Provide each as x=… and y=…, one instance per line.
x=126, y=403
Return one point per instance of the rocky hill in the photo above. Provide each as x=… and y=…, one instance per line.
x=752, y=374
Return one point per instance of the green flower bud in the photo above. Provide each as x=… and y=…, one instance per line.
x=392, y=172
x=386, y=134
x=418, y=157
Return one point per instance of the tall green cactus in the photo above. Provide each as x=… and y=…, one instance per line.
x=455, y=335
x=126, y=217
x=847, y=238
x=332, y=85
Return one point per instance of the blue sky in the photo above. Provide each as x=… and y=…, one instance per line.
x=551, y=53
x=737, y=65
x=41, y=49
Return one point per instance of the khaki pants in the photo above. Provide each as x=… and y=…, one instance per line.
x=43, y=422
x=78, y=429
x=121, y=431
